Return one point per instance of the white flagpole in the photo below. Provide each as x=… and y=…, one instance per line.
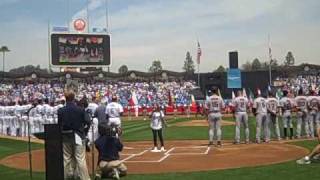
x=88, y=21
x=69, y=19
x=199, y=53
x=49, y=46
x=270, y=61
x=198, y=74
x=107, y=16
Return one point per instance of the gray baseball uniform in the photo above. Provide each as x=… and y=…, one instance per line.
x=301, y=103
x=260, y=104
x=214, y=106
x=313, y=114
x=241, y=104
x=287, y=105
x=272, y=106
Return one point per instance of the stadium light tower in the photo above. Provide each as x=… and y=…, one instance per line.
x=4, y=50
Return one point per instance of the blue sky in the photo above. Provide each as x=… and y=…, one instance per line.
x=146, y=30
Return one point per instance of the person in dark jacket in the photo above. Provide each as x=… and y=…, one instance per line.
x=109, y=146
x=72, y=118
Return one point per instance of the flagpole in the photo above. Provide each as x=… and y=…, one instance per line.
x=49, y=45
x=198, y=61
x=69, y=19
x=107, y=16
x=270, y=61
x=198, y=74
x=88, y=21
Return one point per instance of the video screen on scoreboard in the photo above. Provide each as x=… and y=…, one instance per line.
x=80, y=49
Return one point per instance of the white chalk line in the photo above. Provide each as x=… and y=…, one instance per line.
x=169, y=151
x=166, y=154
x=134, y=155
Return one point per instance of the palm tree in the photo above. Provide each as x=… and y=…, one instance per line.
x=4, y=49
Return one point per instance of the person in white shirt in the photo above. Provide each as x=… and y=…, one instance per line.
x=156, y=124
x=114, y=111
x=214, y=106
x=260, y=111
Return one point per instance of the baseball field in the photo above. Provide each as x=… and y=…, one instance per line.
x=187, y=155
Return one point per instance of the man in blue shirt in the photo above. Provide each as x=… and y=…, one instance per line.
x=109, y=146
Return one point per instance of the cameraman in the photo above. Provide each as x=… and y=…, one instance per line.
x=109, y=146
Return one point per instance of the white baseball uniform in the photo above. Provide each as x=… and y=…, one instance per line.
x=114, y=110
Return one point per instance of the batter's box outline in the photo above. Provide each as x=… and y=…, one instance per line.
x=167, y=154
x=205, y=152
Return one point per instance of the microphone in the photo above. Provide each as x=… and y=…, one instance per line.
x=28, y=111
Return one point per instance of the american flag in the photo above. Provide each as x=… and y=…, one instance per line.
x=198, y=53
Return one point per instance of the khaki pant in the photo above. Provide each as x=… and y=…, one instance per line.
x=74, y=160
x=105, y=168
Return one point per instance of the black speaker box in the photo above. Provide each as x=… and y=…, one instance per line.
x=233, y=60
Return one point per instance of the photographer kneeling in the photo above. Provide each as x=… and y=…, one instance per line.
x=109, y=146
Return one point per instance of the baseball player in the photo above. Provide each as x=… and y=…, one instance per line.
x=46, y=108
x=39, y=116
x=272, y=106
x=214, y=106
x=260, y=111
x=286, y=105
x=301, y=105
x=313, y=118
x=2, y=121
x=12, y=119
x=114, y=110
x=19, y=113
x=240, y=105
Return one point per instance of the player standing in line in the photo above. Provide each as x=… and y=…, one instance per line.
x=260, y=111
x=240, y=105
x=272, y=106
x=39, y=116
x=114, y=111
x=46, y=111
x=214, y=107
x=313, y=115
x=286, y=105
x=2, y=132
x=302, y=111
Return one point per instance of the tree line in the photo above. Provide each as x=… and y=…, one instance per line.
x=189, y=65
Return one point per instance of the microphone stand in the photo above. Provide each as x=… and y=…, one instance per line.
x=92, y=144
x=29, y=142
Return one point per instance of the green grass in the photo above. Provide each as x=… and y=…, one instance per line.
x=8, y=147
x=136, y=130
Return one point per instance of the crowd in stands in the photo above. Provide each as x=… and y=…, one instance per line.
x=294, y=84
x=137, y=93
